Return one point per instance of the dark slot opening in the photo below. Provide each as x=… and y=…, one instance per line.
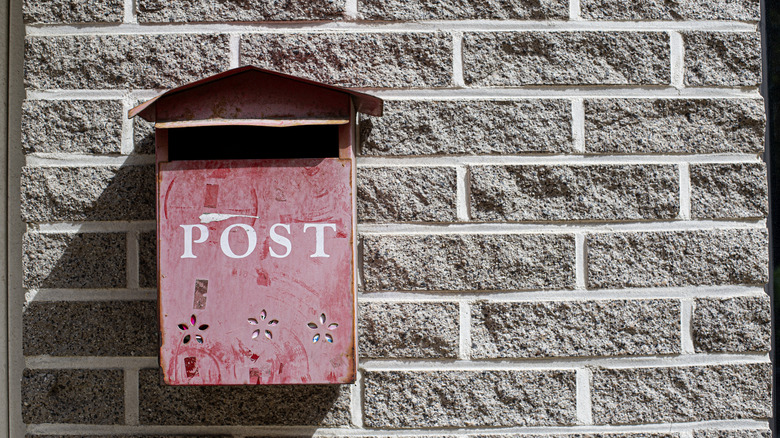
x=252, y=142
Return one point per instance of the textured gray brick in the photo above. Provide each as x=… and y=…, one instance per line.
x=84, y=260
x=162, y=11
x=468, y=127
x=356, y=59
x=729, y=190
x=73, y=396
x=690, y=126
x=76, y=126
x=698, y=393
x=742, y=10
x=88, y=193
x=722, y=58
x=712, y=433
x=392, y=10
x=468, y=262
x=677, y=258
x=408, y=330
x=299, y=405
x=72, y=11
x=599, y=192
x=111, y=328
x=147, y=259
x=122, y=61
x=588, y=328
x=555, y=58
x=406, y=194
x=469, y=398
x=143, y=135
x=732, y=324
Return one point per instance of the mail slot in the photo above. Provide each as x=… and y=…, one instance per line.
x=256, y=229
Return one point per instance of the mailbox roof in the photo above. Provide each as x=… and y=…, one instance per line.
x=364, y=103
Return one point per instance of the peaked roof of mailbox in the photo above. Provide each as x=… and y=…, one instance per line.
x=364, y=103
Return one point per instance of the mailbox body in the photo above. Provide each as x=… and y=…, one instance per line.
x=256, y=230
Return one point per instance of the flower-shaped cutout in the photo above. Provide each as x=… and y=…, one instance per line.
x=185, y=328
x=328, y=336
x=271, y=323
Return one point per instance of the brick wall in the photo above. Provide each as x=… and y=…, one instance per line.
x=562, y=216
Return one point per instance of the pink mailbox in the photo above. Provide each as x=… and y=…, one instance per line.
x=256, y=229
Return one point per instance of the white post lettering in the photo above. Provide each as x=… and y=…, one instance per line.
x=320, y=237
x=204, y=234
x=285, y=242
x=224, y=241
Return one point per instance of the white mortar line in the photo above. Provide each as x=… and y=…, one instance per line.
x=580, y=261
x=457, y=60
x=131, y=397
x=686, y=326
x=686, y=434
x=356, y=400
x=685, y=190
x=89, y=362
x=462, y=201
x=566, y=295
x=575, y=12
x=584, y=408
x=529, y=92
x=351, y=9
x=557, y=228
x=464, y=325
x=87, y=430
x=578, y=124
x=570, y=363
x=129, y=16
x=553, y=160
x=91, y=227
x=235, y=50
x=76, y=160
x=127, y=144
x=390, y=27
x=677, y=58
x=132, y=262
x=48, y=295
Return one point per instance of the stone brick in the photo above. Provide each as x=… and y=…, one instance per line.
x=697, y=393
x=557, y=193
x=147, y=259
x=399, y=10
x=163, y=11
x=73, y=396
x=729, y=190
x=744, y=433
x=72, y=126
x=677, y=258
x=88, y=193
x=72, y=11
x=84, y=260
x=732, y=324
x=469, y=398
x=558, y=58
x=143, y=136
x=408, y=330
x=111, y=328
x=742, y=10
x=355, y=59
x=576, y=328
x=122, y=61
x=722, y=59
x=406, y=194
x=468, y=262
x=688, y=126
x=290, y=405
x=468, y=127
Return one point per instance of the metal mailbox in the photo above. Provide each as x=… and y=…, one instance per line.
x=256, y=229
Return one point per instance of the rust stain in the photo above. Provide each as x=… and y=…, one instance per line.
x=201, y=288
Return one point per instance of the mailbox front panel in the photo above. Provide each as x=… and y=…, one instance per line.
x=256, y=271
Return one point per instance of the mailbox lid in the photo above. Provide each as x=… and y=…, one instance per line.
x=281, y=312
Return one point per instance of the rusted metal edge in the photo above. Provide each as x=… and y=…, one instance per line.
x=364, y=103
x=279, y=123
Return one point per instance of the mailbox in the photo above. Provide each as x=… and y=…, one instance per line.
x=256, y=229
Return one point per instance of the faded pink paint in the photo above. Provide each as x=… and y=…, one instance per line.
x=283, y=295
